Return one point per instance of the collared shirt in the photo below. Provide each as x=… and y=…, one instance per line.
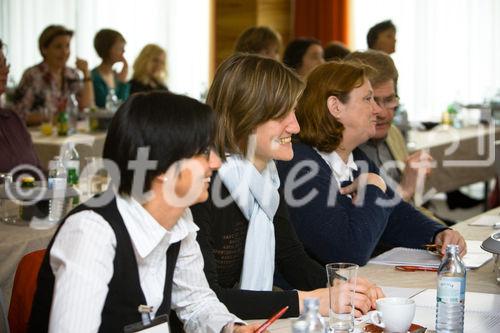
x=378, y=151
x=82, y=256
x=341, y=171
x=38, y=89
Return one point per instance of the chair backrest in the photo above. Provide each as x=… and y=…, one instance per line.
x=4, y=324
x=23, y=291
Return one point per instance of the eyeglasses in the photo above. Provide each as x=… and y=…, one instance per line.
x=206, y=151
x=387, y=102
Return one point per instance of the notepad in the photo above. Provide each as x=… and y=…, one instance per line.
x=486, y=220
x=475, y=257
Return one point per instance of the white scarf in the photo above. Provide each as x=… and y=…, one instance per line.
x=256, y=194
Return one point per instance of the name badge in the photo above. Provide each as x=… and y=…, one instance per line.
x=157, y=325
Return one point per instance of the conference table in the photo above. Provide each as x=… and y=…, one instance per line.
x=462, y=156
x=481, y=280
x=87, y=143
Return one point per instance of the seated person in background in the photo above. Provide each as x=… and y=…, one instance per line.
x=259, y=40
x=16, y=147
x=51, y=82
x=382, y=37
x=150, y=70
x=336, y=51
x=338, y=203
x=110, y=46
x=387, y=144
x=136, y=243
x=245, y=234
x=303, y=55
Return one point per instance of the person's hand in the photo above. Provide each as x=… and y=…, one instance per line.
x=321, y=294
x=83, y=66
x=370, y=289
x=418, y=163
x=363, y=179
x=122, y=75
x=247, y=328
x=450, y=236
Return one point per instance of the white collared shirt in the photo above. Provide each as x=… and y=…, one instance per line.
x=82, y=256
x=341, y=171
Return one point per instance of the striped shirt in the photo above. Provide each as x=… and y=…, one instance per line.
x=82, y=256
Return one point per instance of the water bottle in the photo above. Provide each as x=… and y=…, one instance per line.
x=57, y=183
x=111, y=100
x=450, y=293
x=71, y=161
x=310, y=321
x=72, y=111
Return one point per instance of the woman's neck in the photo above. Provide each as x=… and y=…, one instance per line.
x=167, y=217
x=54, y=69
x=106, y=67
x=344, y=150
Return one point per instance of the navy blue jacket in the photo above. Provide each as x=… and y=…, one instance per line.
x=332, y=228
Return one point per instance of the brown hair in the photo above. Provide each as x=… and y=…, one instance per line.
x=50, y=33
x=385, y=70
x=257, y=39
x=318, y=127
x=247, y=91
x=104, y=40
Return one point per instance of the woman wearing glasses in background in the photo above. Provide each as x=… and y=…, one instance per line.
x=350, y=209
x=245, y=234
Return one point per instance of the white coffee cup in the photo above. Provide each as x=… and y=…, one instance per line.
x=394, y=314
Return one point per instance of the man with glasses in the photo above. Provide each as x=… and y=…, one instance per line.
x=388, y=144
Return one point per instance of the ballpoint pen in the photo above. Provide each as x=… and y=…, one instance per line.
x=416, y=268
x=271, y=320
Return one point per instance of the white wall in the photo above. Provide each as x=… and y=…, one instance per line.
x=179, y=26
x=446, y=49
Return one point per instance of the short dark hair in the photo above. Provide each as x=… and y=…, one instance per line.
x=104, y=40
x=257, y=39
x=295, y=51
x=385, y=69
x=372, y=36
x=174, y=127
x=335, y=51
x=50, y=33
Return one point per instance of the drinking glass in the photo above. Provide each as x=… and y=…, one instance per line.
x=93, y=176
x=47, y=126
x=8, y=212
x=341, y=288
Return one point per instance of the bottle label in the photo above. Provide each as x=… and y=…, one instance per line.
x=451, y=290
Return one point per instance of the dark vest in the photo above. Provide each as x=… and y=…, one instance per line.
x=124, y=294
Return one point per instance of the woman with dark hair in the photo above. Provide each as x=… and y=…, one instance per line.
x=259, y=40
x=110, y=47
x=108, y=255
x=16, y=147
x=352, y=210
x=51, y=82
x=303, y=55
x=245, y=234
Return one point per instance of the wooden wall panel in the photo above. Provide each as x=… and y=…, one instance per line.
x=232, y=17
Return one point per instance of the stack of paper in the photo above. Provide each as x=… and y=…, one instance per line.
x=401, y=256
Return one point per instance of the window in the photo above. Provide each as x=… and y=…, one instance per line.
x=179, y=26
x=446, y=49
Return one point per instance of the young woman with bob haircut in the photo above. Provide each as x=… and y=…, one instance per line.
x=341, y=222
x=245, y=235
x=138, y=249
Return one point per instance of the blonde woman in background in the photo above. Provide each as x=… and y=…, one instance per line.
x=150, y=70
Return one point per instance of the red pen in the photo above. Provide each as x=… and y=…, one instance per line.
x=271, y=320
x=416, y=268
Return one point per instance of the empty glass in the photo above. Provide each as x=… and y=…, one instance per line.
x=8, y=210
x=341, y=287
x=93, y=176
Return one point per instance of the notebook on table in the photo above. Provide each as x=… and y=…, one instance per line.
x=475, y=257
